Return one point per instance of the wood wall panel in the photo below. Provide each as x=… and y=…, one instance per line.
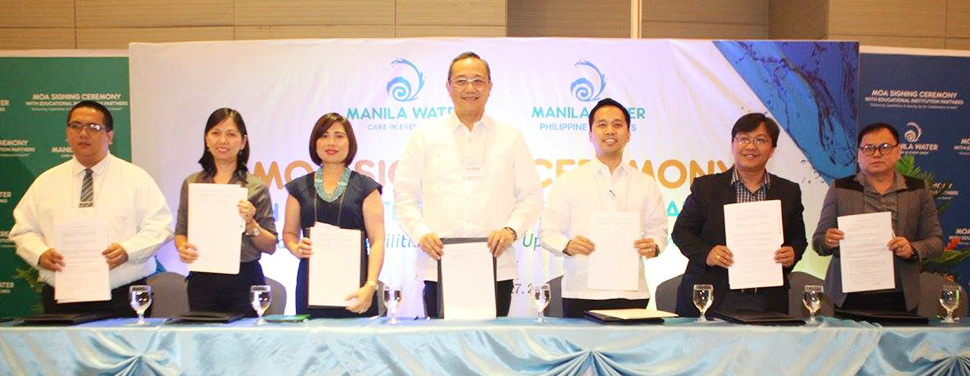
x=958, y=19
x=313, y=12
x=797, y=19
x=892, y=41
x=958, y=43
x=153, y=13
x=554, y=18
x=32, y=38
x=451, y=12
x=118, y=38
x=450, y=31
x=296, y=32
x=114, y=23
x=707, y=11
x=900, y=18
x=693, y=30
x=37, y=13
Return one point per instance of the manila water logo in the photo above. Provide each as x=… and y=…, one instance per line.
x=584, y=89
x=912, y=145
x=400, y=88
x=913, y=135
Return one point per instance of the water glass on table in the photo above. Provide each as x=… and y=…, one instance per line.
x=812, y=298
x=703, y=298
x=262, y=298
x=950, y=300
x=392, y=300
x=540, y=298
x=141, y=299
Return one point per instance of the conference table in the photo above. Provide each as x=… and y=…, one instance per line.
x=504, y=346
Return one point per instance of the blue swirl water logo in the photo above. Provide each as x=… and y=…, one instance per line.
x=400, y=89
x=913, y=135
x=583, y=89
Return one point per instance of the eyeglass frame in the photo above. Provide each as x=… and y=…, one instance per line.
x=757, y=141
x=77, y=127
x=884, y=149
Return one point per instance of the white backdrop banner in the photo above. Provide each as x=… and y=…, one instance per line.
x=683, y=97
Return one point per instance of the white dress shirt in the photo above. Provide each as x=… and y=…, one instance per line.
x=459, y=183
x=128, y=199
x=591, y=188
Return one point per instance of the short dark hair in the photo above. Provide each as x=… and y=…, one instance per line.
x=469, y=55
x=323, y=124
x=752, y=121
x=875, y=127
x=109, y=122
x=208, y=161
x=608, y=102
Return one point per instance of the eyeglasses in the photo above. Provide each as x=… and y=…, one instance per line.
x=91, y=127
x=477, y=83
x=884, y=148
x=758, y=141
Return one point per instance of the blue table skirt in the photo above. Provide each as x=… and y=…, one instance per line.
x=508, y=346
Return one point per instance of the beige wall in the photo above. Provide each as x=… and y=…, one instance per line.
x=112, y=24
x=898, y=23
x=704, y=19
x=904, y=23
x=579, y=18
x=798, y=19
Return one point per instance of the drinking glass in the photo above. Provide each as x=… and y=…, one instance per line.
x=703, y=298
x=812, y=298
x=540, y=298
x=950, y=299
x=262, y=298
x=392, y=300
x=141, y=299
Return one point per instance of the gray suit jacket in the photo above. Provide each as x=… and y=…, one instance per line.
x=917, y=222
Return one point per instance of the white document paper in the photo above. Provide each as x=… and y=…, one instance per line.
x=615, y=264
x=81, y=237
x=867, y=262
x=334, y=266
x=754, y=232
x=215, y=227
x=468, y=282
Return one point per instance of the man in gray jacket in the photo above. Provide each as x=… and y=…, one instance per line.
x=879, y=188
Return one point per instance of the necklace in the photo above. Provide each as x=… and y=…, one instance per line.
x=341, y=185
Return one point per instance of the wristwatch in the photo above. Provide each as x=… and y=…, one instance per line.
x=255, y=231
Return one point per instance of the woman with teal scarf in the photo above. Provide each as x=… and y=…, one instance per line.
x=336, y=195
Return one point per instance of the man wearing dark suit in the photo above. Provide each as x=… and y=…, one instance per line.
x=699, y=230
x=879, y=188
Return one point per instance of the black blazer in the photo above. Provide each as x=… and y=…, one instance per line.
x=700, y=226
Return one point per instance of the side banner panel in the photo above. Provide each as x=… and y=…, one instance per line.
x=924, y=95
x=36, y=94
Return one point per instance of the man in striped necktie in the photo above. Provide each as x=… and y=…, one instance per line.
x=123, y=195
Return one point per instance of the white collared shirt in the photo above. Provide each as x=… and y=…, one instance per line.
x=433, y=193
x=591, y=188
x=127, y=198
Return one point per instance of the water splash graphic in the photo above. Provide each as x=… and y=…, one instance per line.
x=583, y=89
x=399, y=88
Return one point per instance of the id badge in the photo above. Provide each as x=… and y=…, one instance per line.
x=473, y=170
